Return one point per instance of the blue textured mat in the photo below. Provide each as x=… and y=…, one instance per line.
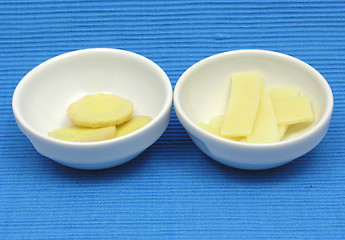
x=172, y=190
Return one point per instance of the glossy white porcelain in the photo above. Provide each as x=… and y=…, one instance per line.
x=41, y=99
x=203, y=89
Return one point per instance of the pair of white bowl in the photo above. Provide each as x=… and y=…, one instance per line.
x=42, y=96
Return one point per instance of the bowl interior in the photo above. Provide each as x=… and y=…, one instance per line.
x=205, y=87
x=42, y=97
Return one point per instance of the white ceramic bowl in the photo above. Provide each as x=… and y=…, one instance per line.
x=41, y=99
x=202, y=92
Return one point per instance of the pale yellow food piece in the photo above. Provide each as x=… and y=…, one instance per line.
x=214, y=127
x=216, y=124
x=265, y=128
x=243, y=104
x=283, y=93
x=132, y=125
x=100, y=110
x=279, y=94
x=75, y=133
x=282, y=130
x=293, y=110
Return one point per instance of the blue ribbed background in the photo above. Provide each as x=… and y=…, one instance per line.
x=172, y=190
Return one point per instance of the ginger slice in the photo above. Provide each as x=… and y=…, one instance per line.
x=132, y=125
x=282, y=130
x=100, y=110
x=265, y=128
x=293, y=110
x=283, y=93
x=75, y=133
x=214, y=125
x=243, y=104
x=279, y=94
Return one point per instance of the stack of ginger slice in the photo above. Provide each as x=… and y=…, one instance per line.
x=99, y=117
x=255, y=115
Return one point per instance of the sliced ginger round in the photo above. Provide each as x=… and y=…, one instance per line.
x=100, y=110
x=132, y=125
x=75, y=133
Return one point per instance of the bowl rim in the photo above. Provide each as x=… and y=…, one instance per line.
x=322, y=122
x=27, y=78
